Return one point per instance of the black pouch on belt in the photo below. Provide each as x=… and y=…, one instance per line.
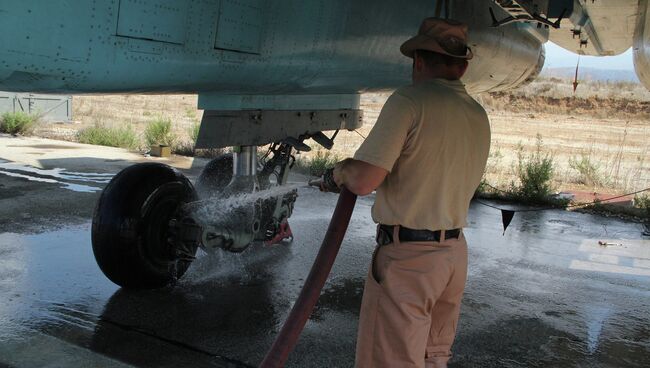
x=383, y=236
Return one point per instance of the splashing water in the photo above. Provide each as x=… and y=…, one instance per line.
x=210, y=267
x=220, y=267
x=207, y=211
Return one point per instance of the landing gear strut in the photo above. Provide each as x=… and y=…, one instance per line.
x=264, y=218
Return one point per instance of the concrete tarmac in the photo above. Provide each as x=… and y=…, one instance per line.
x=544, y=295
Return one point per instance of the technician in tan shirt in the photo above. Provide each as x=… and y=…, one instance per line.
x=425, y=156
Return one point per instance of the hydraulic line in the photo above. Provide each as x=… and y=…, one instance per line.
x=320, y=270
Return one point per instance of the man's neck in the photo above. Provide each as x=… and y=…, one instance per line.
x=445, y=74
x=438, y=74
x=424, y=80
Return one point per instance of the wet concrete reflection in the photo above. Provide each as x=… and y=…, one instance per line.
x=526, y=304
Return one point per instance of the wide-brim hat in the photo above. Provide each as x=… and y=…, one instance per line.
x=444, y=36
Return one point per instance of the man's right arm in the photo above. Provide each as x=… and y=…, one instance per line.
x=359, y=177
x=377, y=155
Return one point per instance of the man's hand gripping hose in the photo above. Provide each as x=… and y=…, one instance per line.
x=326, y=183
x=302, y=309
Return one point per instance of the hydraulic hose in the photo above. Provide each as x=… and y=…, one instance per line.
x=320, y=270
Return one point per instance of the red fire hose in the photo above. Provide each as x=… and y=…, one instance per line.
x=288, y=336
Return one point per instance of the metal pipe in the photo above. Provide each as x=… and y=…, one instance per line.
x=288, y=336
x=244, y=161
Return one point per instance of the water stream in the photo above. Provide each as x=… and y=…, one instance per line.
x=207, y=211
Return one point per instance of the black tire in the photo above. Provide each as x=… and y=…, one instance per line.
x=130, y=228
x=216, y=175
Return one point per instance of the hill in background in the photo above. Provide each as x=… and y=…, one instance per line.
x=592, y=74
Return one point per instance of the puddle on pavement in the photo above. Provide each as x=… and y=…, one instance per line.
x=50, y=267
x=69, y=180
x=533, y=310
x=598, y=315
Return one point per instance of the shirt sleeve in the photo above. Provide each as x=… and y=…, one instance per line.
x=387, y=138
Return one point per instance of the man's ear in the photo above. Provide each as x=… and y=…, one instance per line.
x=418, y=62
x=462, y=69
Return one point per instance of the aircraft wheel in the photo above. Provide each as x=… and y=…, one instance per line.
x=215, y=176
x=131, y=232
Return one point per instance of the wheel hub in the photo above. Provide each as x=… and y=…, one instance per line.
x=167, y=236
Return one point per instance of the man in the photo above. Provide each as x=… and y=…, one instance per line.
x=425, y=156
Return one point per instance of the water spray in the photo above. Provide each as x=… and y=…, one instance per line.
x=320, y=270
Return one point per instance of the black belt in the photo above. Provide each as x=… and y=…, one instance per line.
x=385, y=234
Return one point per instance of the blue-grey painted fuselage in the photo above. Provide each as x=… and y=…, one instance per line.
x=261, y=47
x=233, y=47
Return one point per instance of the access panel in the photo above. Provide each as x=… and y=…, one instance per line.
x=157, y=20
x=240, y=26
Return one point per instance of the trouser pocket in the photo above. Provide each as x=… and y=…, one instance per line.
x=373, y=265
x=379, y=264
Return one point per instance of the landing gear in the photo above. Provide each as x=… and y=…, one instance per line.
x=142, y=239
x=259, y=216
x=149, y=220
x=215, y=176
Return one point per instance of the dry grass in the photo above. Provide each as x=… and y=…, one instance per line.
x=604, y=127
x=618, y=147
x=605, y=139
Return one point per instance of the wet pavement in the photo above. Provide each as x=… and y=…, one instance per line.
x=544, y=295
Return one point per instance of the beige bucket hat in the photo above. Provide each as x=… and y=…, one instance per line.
x=444, y=36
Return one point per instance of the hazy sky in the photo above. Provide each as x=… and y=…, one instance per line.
x=557, y=57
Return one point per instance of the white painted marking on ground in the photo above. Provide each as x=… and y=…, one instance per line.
x=643, y=263
x=609, y=258
x=604, y=258
x=608, y=268
x=631, y=248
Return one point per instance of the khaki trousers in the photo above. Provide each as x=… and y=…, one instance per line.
x=411, y=303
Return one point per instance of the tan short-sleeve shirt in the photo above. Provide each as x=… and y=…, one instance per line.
x=434, y=140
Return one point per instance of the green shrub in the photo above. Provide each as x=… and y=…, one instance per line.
x=588, y=171
x=642, y=201
x=317, y=164
x=193, y=132
x=159, y=132
x=124, y=137
x=17, y=123
x=535, y=172
x=186, y=147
